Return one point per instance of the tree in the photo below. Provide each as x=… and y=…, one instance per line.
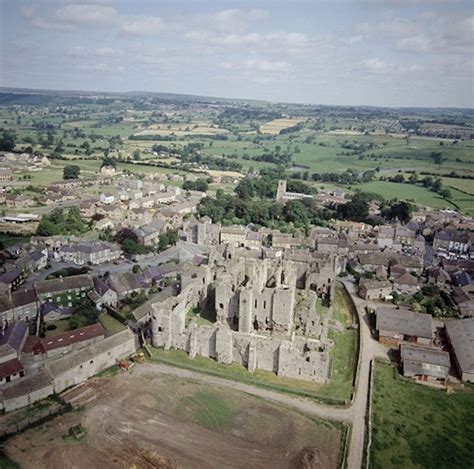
x=109, y=161
x=168, y=238
x=357, y=209
x=427, y=181
x=296, y=213
x=136, y=155
x=401, y=211
x=446, y=193
x=125, y=233
x=7, y=142
x=437, y=185
x=71, y=172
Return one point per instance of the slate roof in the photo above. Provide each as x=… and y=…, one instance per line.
x=23, y=297
x=10, y=276
x=64, y=284
x=407, y=279
x=425, y=355
x=14, y=335
x=123, y=282
x=405, y=322
x=461, y=336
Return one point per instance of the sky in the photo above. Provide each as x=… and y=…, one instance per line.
x=341, y=52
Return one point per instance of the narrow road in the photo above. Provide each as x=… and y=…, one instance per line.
x=368, y=351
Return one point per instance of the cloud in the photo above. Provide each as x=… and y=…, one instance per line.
x=375, y=65
x=277, y=40
x=230, y=21
x=393, y=26
x=141, y=25
x=86, y=14
x=259, y=65
x=79, y=51
x=27, y=11
x=419, y=43
x=69, y=17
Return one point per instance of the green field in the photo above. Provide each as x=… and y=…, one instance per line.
x=418, y=194
x=415, y=426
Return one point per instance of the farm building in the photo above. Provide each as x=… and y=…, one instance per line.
x=424, y=364
x=460, y=334
x=402, y=325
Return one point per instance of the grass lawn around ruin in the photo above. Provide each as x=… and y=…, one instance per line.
x=265, y=379
x=414, y=426
x=345, y=350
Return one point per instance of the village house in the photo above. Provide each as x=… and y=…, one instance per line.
x=406, y=284
x=374, y=289
x=6, y=174
x=19, y=201
x=113, y=212
x=12, y=279
x=253, y=240
x=12, y=339
x=285, y=241
x=21, y=305
x=34, y=261
x=64, y=291
x=452, y=242
x=149, y=234
x=124, y=284
x=87, y=208
x=107, y=198
x=107, y=170
x=394, y=326
x=233, y=235
x=425, y=364
x=102, y=294
x=94, y=253
x=460, y=333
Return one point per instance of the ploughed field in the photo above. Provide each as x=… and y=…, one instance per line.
x=143, y=419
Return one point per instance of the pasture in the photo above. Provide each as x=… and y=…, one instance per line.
x=417, y=426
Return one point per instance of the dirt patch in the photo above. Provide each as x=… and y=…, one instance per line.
x=310, y=458
x=143, y=419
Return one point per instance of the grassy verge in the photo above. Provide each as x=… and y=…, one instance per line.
x=110, y=324
x=418, y=426
x=344, y=353
x=6, y=462
x=260, y=378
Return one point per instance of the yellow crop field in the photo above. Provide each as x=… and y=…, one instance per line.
x=273, y=127
x=193, y=128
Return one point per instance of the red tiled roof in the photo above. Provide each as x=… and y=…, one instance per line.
x=33, y=345
x=71, y=337
x=10, y=368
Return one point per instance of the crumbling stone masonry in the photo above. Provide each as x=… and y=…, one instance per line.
x=258, y=322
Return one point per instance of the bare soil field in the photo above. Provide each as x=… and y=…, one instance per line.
x=143, y=419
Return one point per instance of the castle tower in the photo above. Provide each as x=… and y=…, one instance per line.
x=281, y=191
